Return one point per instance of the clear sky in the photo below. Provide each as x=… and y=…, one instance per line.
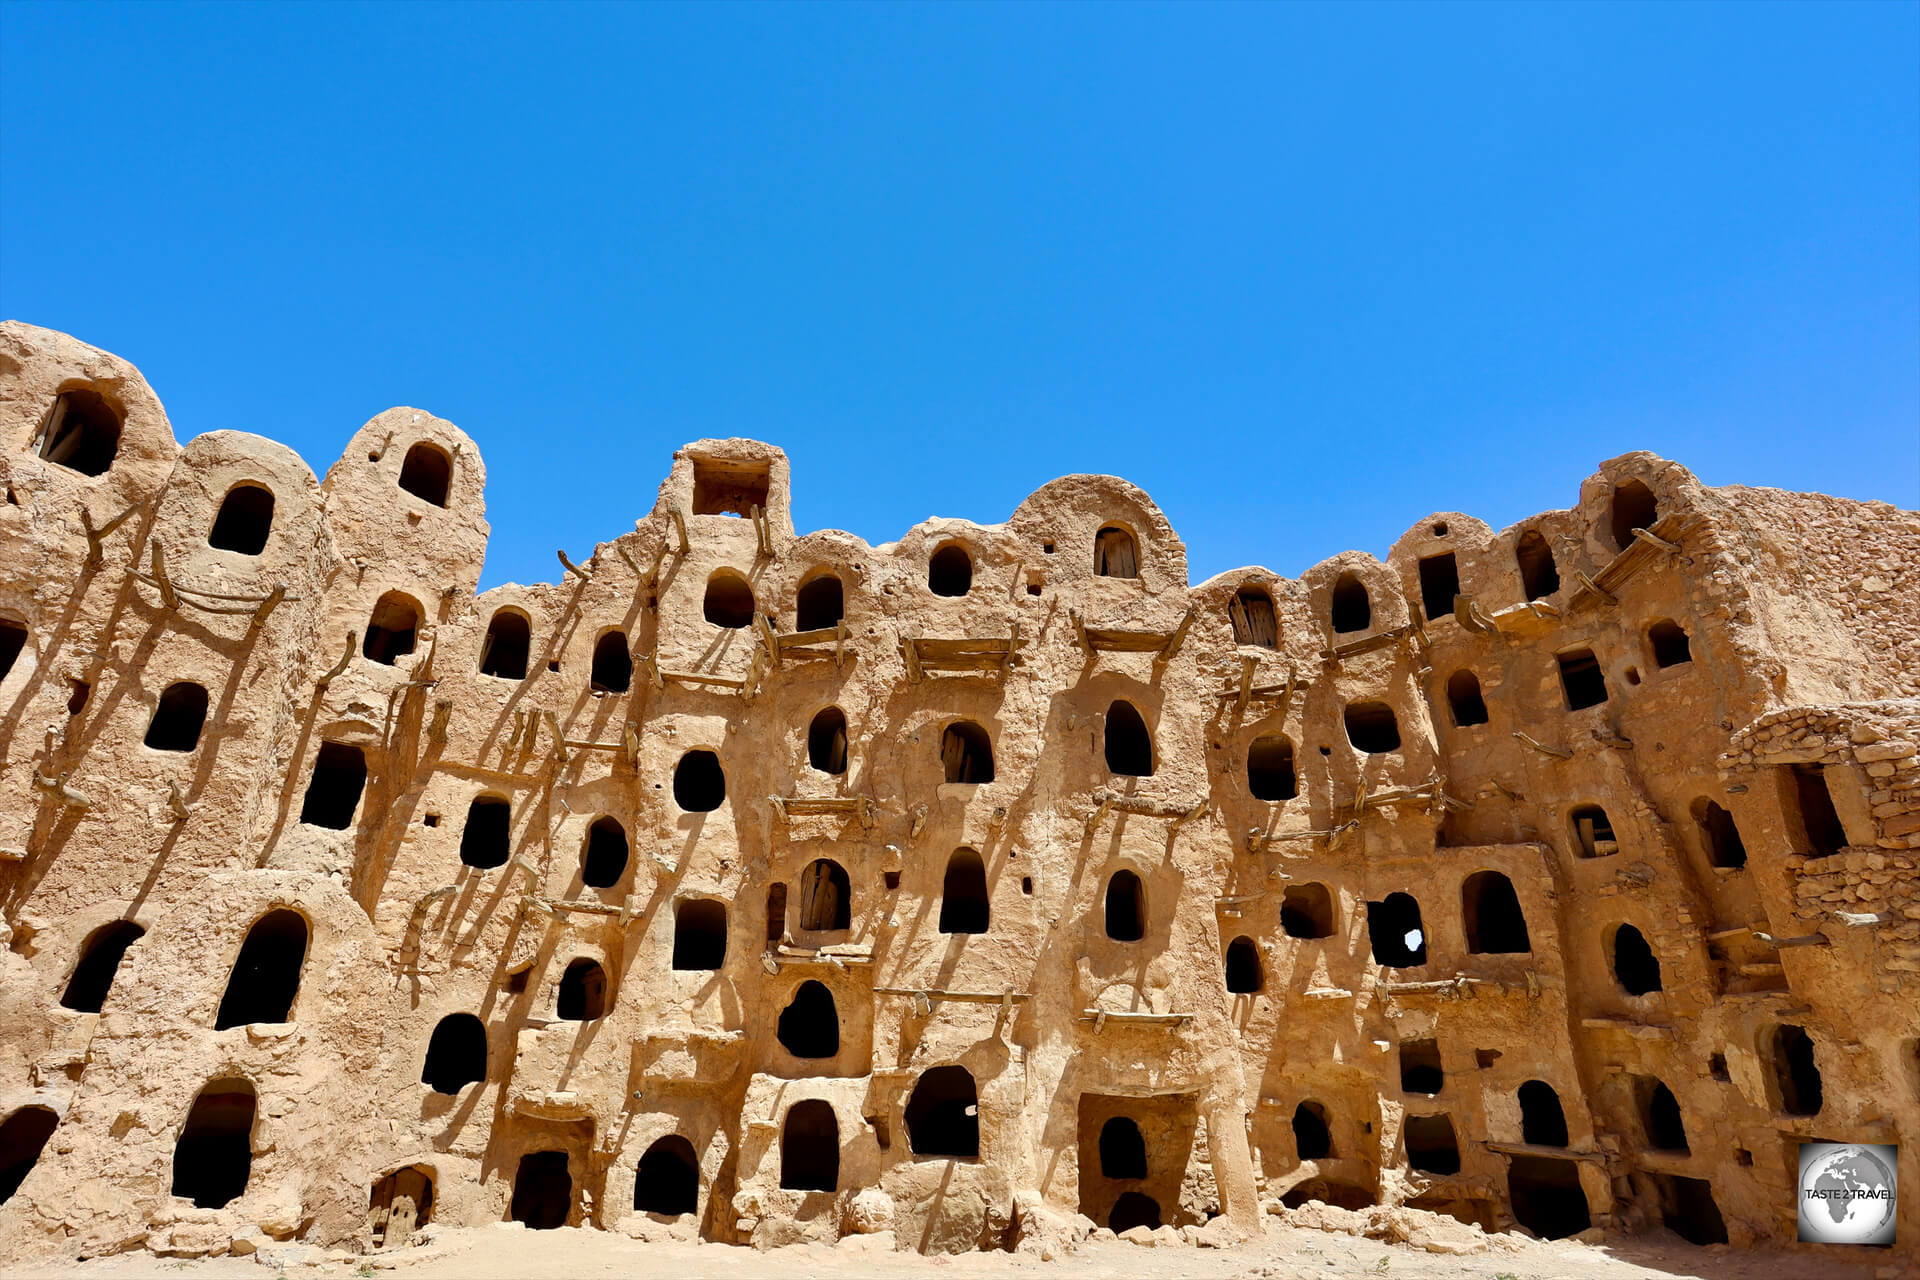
x=1304, y=274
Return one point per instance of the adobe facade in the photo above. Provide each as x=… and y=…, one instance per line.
x=776, y=886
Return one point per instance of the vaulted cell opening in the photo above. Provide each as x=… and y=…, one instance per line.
x=22, y=1138
x=1592, y=832
x=100, y=957
x=1306, y=911
x=1115, y=554
x=1464, y=699
x=729, y=600
x=699, y=784
x=1245, y=975
x=964, y=906
x=1270, y=774
x=1547, y=1197
x=1432, y=1146
x=1495, y=924
x=1543, y=1121
x=826, y=897
x=333, y=792
x=1129, y=745
x=1539, y=576
x=1669, y=643
x=542, y=1191
x=1439, y=584
x=612, y=664
x=1812, y=803
x=213, y=1156
x=178, y=718
x=810, y=1147
x=1351, y=609
x=1635, y=966
x=485, y=838
x=1312, y=1135
x=809, y=1026
x=13, y=638
x=730, y=487
x=950, y=571
x=1134, y=1209
x=1420, y=1069
x=1688, y=1209
x=1126, y=907
x=1795, y=1073
x=943, y=1114
x=266, y=974
x=456, y=1054
x=244, y=520
x=827, y=741
x=699, y=934
x=1660, y=1115
x=81, y=432
x=398, y=1205
x=1393, y=926
x=604, y=859
x=1634, y=507
x=1582, y=680
x=509, y=640
x=583, y=992
x=1372, y=727
x=667, y=1181
x=821, y=603
x=1253, y=617
x=1719, y=837
x=1123, y=1152
x=427, y=473
x=393, y=629
x=966, y=753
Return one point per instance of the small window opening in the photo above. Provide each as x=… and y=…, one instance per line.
x=509, y=639
x=82, y=432
x=22, y=1138
x=1126, y=907
x=950, y=571
x=1123, y=1152
x=810, y=1024
x=668, y=1179
x=393, y=630
x=1660, y=1115
x=100, y=957
x=1635, y=967
x=776, y=911
x=1026, y=885
x=13, y=638
x=700, y=934
x=485, y=838
x=1592, y=832
x=1464, y=699
x=729, y=600
x=517, y=980
x=1352, y=610
x=1420, y=1069
x=1491, y=909
x=333, y=792
x=963, y=895
x=827, y=741
x=1312, y=1135
x=1244, y=972
x=1818, y=818
x=1254, y=620
x=1634, y=507
x=1439, y=584
x=398, y=1205
x=1669, y=643
x=542, y=1191
x=943, y=1114
x=1581, y=677
x=1718, y=835
x=266, y=973
x=213, y=1157
x=1134, y=1209
x=178, y=718
x=1306, y=911
x=1543, y=1121
x=810, y=1147
x=1431, y=1144
x=612, y=664
x=1539, y=576
x=77, y=702
x=826, y=897
x=1547, y=1197
x=729, y=487
x=456, y=1054
x=244, y=520
x=1115, y=554
x=699, y=784
x=1129, y=745
x=966, y=753
x=1270, y=773
x=1688, y=1209
x=821, y=604
x=1485, y=1058
x=1717, y=1067
x=1372, y=728
x=1795, y=1071
x=583, y=992
x=427, y=473
x=1399, y=940
x=604, y=860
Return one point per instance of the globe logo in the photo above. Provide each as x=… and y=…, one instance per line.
x=1848, y=1192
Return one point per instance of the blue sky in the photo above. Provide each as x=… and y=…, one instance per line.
x=1305, y=274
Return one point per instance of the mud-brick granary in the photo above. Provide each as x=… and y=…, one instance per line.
x=1559, y=876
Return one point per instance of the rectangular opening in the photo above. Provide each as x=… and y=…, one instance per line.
x=1581, y=677
x=730, y=487
x=333, y=793
x=1439, y=584
x=1420, y=1070
x=1812, y=802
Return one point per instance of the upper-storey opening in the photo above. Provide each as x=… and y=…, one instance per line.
x=13, y=638
x=950, y=571
x=393, y=629
x=427, y=472
x=1254, y=620
x=821, y=604
x=81, y=432
x=729, y=600
x=730, y=486
x=244, y=521
x=1539, y=576
x=1439, y=584
x=1634, y=507
x=1115, y=553
x=1352, y=610
x=509, y=640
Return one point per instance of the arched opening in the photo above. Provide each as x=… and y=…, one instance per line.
x=1115, y=555
x=810, y=1024
x=1464, y=700
x=1306, y=911
x=1126, y=907
x=399, y=1204
x=729, y=600
x=1129, y=745
x=427, y=472
x=393, y=629
x=542, y=1191
x=1592, y=832
x=1660, y=1115
x=699, y=784
x=943, y=1114
x=1635, y=967
x=826, y=896
x=604, y=860
x=244, y=520
x=509, y=640
x=1539, y=576
x=1372, y=728
x=1687, y=1208
x=668, y=1179
x=1543, y=1122
x=266, y=973
x=178, y=718
x=1812, y=803
x=1547, y=1197
x=820, y=605
x=100, y=957
x=1582, y=680
x=213, y=1156
x=583, y=992
x=81, y=432
x=13, y=638
x=1254, y=621
x=1669, y=644
x=1718, y=835
x=1420, y=1067
x=1795, y=1073
x=810, y=1147
x=827, y=741
x=966, y=753
x=456, y=1054
x=1393, y=925
x=1123, y=1152
x=1270, y=774
x=776, y=911
x=699, y=934
x=1431, y=1144
x=485, y=838
x=950, y=571
x=612, y=664
x=963, y=894
x=1439, y=584
x=22, y=1138
x=1133, y=1209
x=1634, y=507
x=1351, y=608
x=1312, y=1135
x=1491, y=909
x=1245, y=975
